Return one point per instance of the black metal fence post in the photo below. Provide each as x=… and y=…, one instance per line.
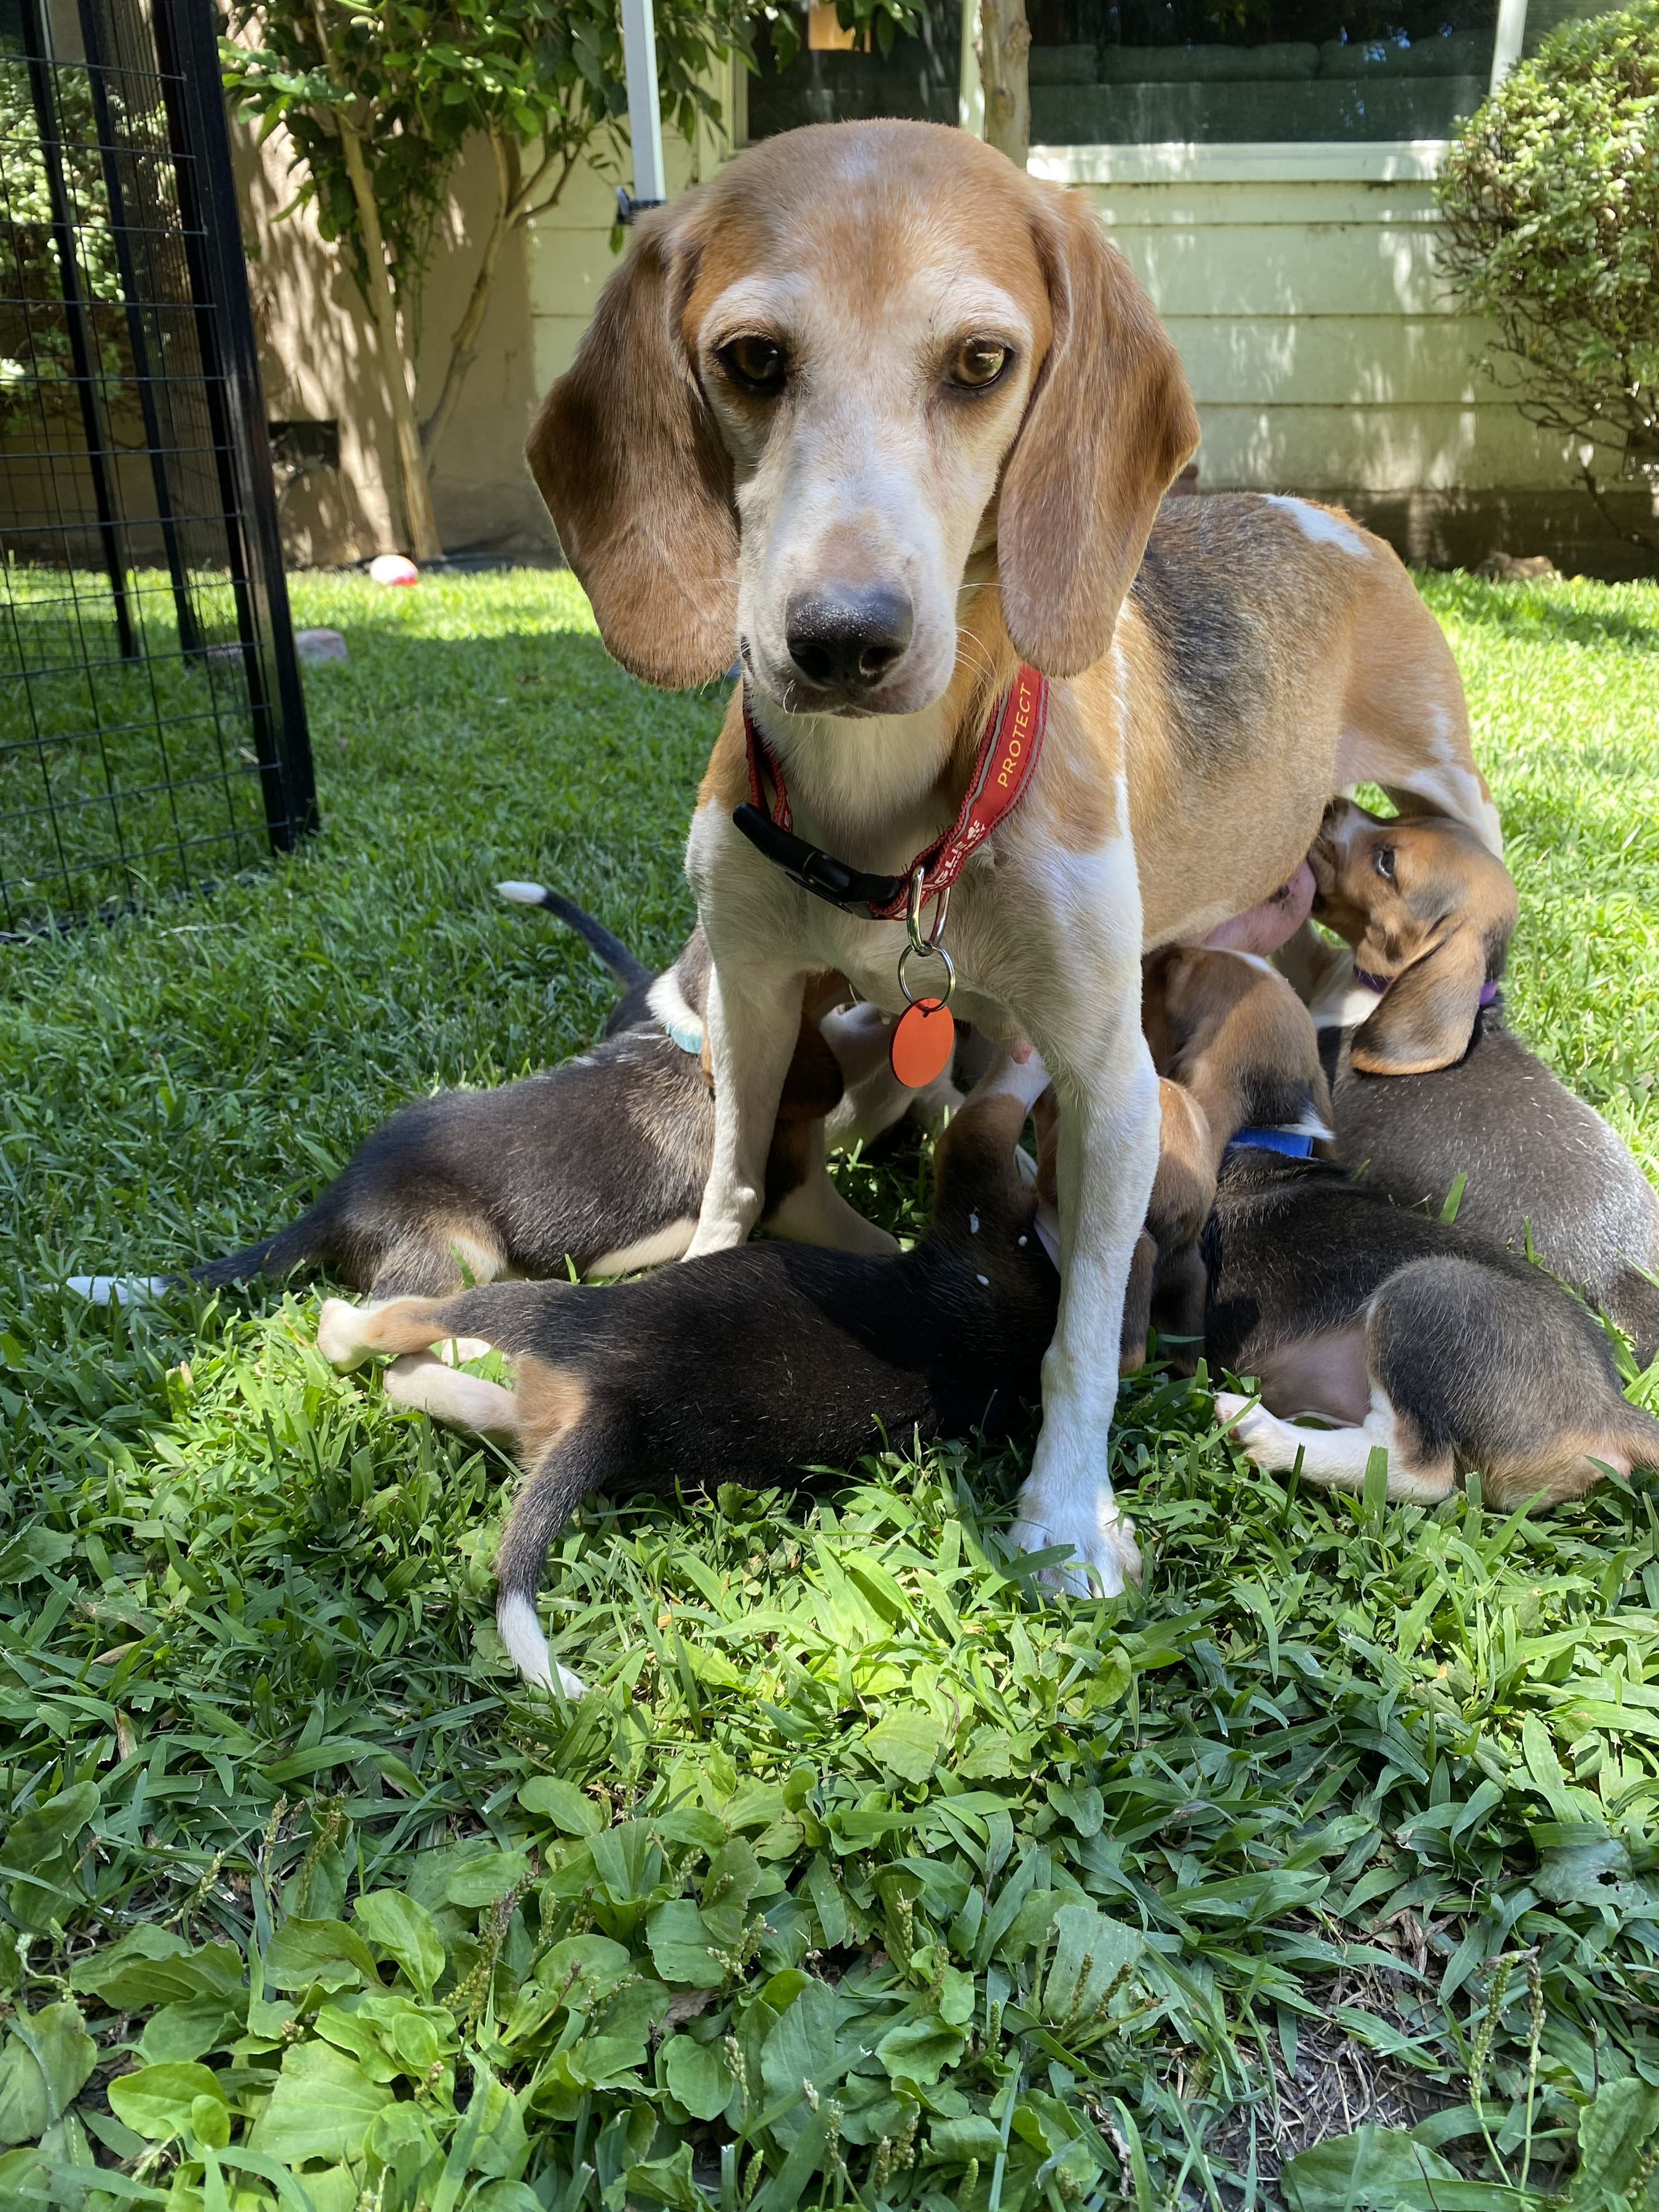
x=139, y=751
x=75, y=313
x=188, y=48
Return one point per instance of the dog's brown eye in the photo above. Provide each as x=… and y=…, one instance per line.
x=1384, y=862
x=978, y=362
x=755, y=364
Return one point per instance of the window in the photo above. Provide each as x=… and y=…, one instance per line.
x=1117, y=72
x=830, y=81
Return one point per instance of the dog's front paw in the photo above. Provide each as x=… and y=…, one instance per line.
x=340, y=1333
x=1104, y=1553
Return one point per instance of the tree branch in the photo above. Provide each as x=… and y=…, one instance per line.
x=419, y=518
x=464, y=345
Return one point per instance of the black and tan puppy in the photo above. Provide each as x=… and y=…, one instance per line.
x=745, y=1364
x=1237, y=1059
x=598, y=1164
x=1404, y=1333
x=1537, y=1160
x=1235, y=1053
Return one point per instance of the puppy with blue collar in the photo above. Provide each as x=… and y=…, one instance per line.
x=1431, y=1087
x=1392, y=1328
x=1238, y=1063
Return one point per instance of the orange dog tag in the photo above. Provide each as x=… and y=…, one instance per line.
x=923, y=1037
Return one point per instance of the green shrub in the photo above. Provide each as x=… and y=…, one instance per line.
x=36, y=369
x=1551, y=200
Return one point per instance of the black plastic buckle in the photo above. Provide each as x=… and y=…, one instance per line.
x=816, y=871
x=628, y=206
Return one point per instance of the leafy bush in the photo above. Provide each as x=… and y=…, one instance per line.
x=1551, y=199
x=36, y=369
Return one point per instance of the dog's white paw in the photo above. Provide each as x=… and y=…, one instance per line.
x=1104, y=1553
x=1259, y=1434
x=521, y=1632
x=340, y=1333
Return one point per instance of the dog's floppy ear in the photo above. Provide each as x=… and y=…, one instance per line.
x=627, y=456
x=1426, y=1015
x=1109, y=425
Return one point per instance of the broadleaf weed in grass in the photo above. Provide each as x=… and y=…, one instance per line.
x=865, y=1874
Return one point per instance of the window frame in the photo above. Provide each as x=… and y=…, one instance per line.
x=1250, y=160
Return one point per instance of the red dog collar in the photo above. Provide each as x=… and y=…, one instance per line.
x=1002, y=768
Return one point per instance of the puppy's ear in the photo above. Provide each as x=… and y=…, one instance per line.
x=627, y=457
x=1108, y=424
x=1426, y=1017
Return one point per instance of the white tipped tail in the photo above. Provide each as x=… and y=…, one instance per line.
x=521, y=1632
x=523, y=894
x=117, y=1289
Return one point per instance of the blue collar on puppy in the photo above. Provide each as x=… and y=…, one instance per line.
x=687, y=1034
x=1295, y=1144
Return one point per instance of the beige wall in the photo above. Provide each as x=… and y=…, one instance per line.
x=320, y=361
x=1322, y=349
x=1327, y=354
x=570, y=254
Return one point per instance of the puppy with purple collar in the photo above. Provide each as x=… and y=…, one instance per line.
x=1429, y=1084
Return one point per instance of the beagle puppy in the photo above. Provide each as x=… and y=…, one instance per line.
x=1401, y=1332
x=1427, y=911
x=742, y=1365
x=598, y=1164
x=891, y=421
x=1429, y=1084
x=1235, y=1057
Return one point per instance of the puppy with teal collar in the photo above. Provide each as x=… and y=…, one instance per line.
x=598, y=1166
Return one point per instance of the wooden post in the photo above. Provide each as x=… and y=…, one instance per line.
x=1004, y=42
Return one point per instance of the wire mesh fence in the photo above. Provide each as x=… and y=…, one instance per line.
x=152, y=728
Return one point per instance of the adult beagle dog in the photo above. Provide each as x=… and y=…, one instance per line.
x=1431, y=1089
x=891, y=420
x=1392, y=1328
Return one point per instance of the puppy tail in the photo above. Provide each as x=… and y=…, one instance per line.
x=303, y=1241
x=611, y=950
x=581, y=1457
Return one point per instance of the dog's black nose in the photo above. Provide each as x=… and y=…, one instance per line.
x=847, y=638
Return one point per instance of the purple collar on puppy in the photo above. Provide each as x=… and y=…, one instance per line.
x=1380, y=983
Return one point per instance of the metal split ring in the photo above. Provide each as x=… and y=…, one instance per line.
x=928, y=952
x=913, y=914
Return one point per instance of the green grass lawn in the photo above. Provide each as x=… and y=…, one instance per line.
x=861, y=1876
